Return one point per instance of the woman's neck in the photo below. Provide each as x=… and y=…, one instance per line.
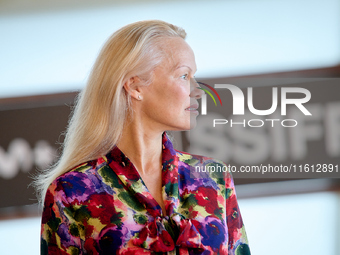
x=143, y=148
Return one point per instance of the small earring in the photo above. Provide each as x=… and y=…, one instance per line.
x=139, y=97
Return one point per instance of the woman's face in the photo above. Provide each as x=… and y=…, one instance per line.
x=170, y=101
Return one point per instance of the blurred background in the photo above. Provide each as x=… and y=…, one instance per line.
x=47, y=49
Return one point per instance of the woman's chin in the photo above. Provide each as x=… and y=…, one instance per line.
x=193, y=122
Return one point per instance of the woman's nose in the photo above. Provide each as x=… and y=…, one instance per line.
x=195, y=90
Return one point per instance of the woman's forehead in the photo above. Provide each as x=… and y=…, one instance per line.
x=178, y=54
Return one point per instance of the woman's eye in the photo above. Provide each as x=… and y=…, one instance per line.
x=184, y=76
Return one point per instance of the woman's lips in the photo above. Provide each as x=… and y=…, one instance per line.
x=192, y=108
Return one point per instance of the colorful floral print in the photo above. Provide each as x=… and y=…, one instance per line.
x=104, y=207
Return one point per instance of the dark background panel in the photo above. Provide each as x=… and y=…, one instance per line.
x=31, y=125
x=44, y=117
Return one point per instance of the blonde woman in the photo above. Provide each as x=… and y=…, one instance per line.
x=119, y=186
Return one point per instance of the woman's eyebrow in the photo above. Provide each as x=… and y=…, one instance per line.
x=187, y=67
x=180, y=66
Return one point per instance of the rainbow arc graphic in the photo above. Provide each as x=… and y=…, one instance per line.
x=209, y=93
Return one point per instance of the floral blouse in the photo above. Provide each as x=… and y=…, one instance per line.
x=104, y=207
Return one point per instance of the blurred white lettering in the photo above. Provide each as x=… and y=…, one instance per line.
x=21, y=156
x=332, y=120
x=245, y=140
x=310, y=129
x=250, y=145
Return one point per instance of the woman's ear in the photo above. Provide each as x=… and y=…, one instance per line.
x=132, y=87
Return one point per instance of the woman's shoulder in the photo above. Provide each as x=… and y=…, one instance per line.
x=86, y=168
x=81, y=177
x=77, y=186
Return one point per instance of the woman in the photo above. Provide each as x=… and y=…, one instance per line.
x=119, y=186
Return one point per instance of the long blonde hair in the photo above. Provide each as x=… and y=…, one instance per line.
x=102, y=107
